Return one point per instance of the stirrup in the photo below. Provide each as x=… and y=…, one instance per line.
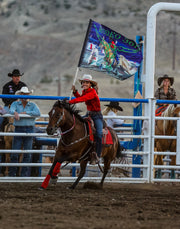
x=94, y=159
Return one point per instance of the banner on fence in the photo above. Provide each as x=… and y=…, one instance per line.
x=108, y=51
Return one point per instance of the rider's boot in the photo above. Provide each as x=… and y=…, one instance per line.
x=96, y=155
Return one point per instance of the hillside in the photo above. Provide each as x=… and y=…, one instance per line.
x=44, y=40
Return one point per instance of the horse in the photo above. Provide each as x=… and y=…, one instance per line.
x=74, y=144
x=168, y=128
x=9, y=128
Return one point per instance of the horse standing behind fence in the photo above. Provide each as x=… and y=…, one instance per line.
x=168, y=128
x=9, y=128
x=74, y=144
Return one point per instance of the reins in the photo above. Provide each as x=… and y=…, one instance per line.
x=60, y=119
x=67, y=131
x=76, y=141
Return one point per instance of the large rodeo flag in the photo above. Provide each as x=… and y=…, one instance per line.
x=108, y=51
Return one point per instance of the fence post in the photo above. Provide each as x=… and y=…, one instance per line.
x=137, y=124
x=178, y=143
x=152, y=133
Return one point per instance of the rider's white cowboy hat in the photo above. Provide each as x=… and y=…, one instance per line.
x=160, y=79
x=24, y=90
x=87, y=77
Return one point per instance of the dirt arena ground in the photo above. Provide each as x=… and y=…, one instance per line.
x=125, y=206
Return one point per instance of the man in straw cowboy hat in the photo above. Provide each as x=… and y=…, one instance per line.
x=23, y=125
x=112, y=109
x=90, y=97
x=165, y=91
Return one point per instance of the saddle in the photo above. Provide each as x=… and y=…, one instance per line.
x=106, y=138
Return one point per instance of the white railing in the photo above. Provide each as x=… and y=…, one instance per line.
x=127, y=164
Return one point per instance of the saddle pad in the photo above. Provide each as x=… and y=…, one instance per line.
x=107, y=138
x=160, y=110
x=91, y=136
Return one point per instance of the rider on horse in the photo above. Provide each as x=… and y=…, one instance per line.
x=91, y=99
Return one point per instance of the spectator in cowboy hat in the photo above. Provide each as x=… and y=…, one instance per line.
x=112, y=109
x=90, y=97
x=165, y=91
x=10, y=88
x=23, y=125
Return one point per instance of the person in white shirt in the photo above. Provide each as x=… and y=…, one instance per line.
x=111, y=110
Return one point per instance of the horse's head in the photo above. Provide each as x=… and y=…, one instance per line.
x=177, y=111
x=61, y=116
x=56, y=117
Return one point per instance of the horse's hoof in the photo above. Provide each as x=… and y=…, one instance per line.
x=71, y=187
x=41, y=188
x=53, y=181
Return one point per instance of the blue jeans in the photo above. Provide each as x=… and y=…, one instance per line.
x=98, y=124
x=18, y=141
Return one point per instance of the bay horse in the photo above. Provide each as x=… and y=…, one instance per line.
x=9, y=128
x=168, y=128
x=8, y=140
x=74, y=144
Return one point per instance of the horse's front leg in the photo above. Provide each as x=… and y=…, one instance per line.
x=83, y=165
x=54, y=170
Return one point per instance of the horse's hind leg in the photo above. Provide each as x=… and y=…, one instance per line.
x=106, y=169
x=83, y=165
x=7, y=160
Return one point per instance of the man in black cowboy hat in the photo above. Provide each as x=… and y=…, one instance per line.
x=10, y=88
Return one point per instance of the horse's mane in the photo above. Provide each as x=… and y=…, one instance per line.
x=69, y=107
x=169, y=111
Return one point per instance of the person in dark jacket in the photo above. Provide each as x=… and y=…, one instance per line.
x=10, y=88
x=90, y=97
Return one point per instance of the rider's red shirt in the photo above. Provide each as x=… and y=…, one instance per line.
x=90, y=98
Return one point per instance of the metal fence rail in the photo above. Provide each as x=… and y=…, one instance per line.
x=129, y=166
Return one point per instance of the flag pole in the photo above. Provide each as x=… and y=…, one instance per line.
x=75, y=78
x=81, y=56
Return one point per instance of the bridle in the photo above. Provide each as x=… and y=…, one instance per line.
x=60, y=119
x=67, y=131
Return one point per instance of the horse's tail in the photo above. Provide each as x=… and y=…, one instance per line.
x=119, y=150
